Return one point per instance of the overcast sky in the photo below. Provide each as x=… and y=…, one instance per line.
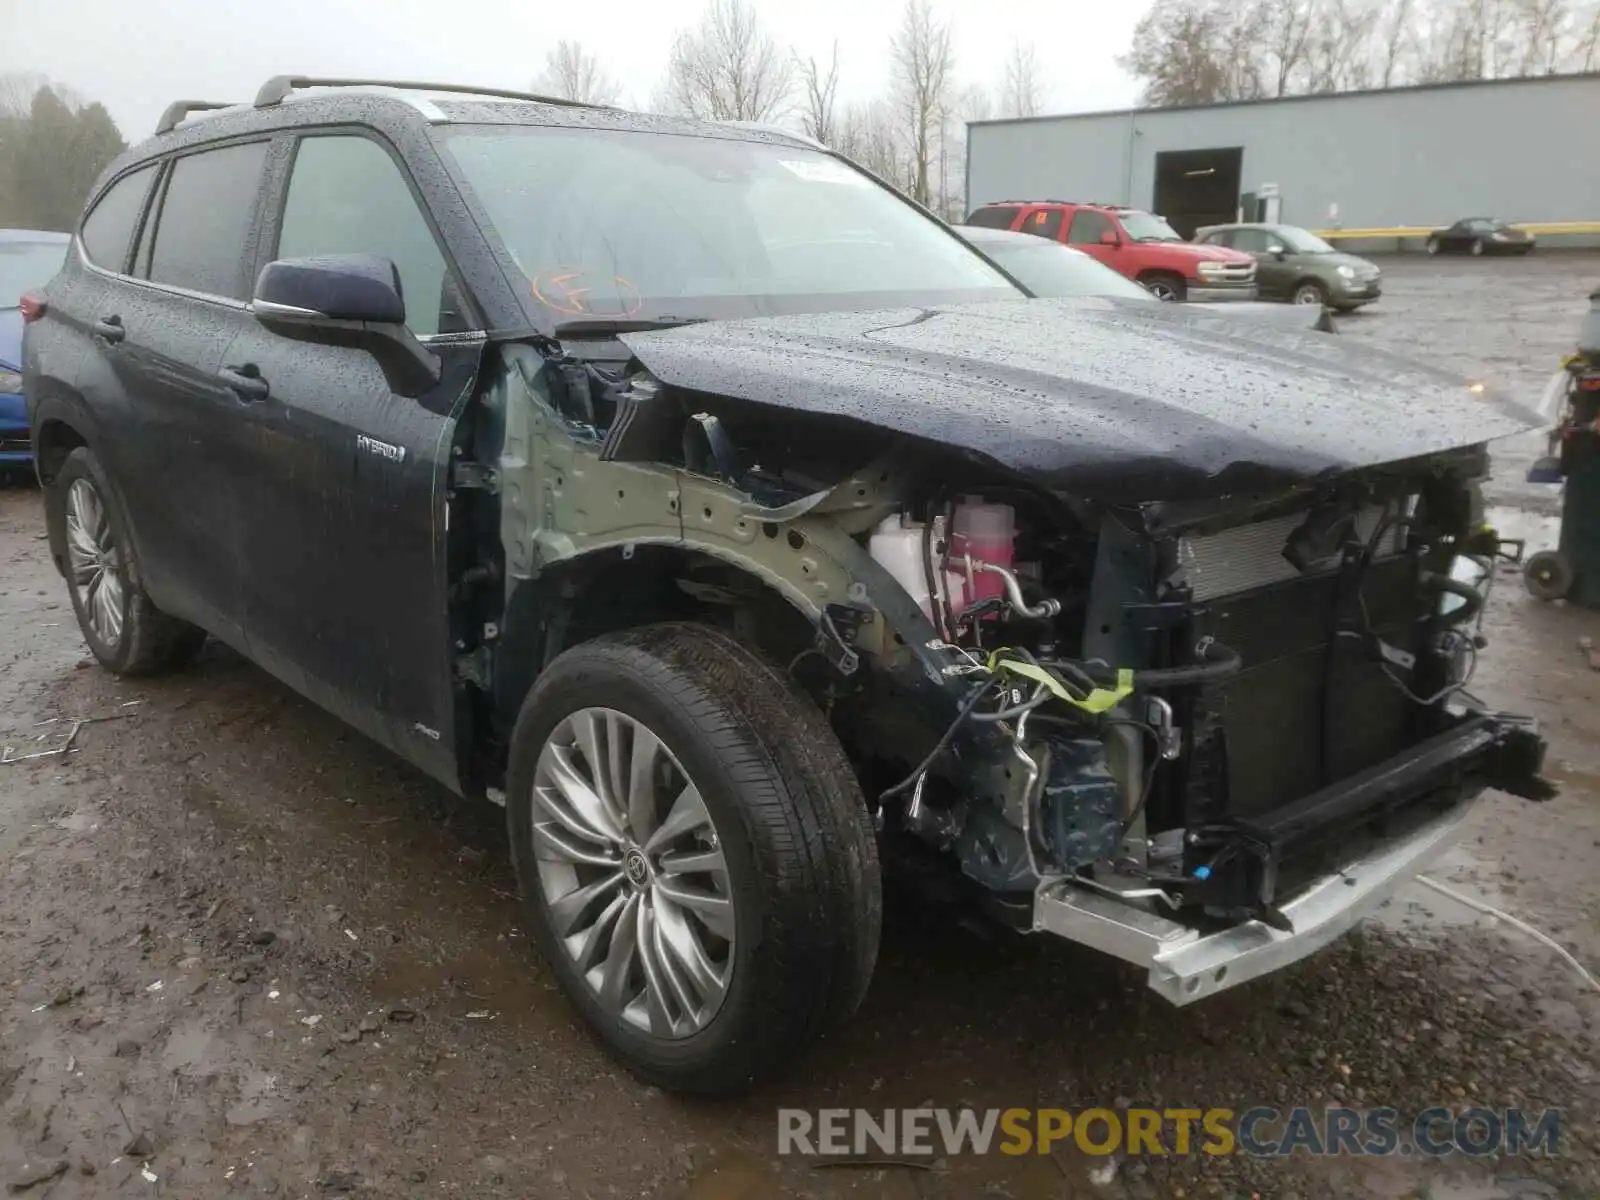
x=137, y=58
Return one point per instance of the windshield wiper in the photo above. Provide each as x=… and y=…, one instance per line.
x=607, y=327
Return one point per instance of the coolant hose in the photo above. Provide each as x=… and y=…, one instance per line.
x=1217, y=661
x=1472, y=596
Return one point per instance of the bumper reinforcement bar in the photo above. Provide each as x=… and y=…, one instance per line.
x=1186, y=965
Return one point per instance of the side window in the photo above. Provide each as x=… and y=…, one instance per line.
x=1045, y=222
x=347, y=196
x=1087, y=227
x=1251, y=241
x=205, y=220
x=993, y=217
x=1220, y=237
x=108, y=228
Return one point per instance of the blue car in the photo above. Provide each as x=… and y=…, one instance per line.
x=29, y=259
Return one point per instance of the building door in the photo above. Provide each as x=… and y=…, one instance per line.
x=1198, y=187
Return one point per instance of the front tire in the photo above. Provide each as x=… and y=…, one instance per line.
x=1165, y=287
x=1310, y=292
x=122, y=626
x=1477, y=247
x=694, y=855
x=1433, y=246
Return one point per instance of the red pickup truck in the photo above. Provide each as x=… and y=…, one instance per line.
x=1137, y=244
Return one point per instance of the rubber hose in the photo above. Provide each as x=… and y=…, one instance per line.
x=1217, y=661
x=1472, y=596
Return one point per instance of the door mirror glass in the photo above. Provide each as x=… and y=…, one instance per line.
x=350, y=300
x=1109, y=238
x=1276, y=249
x=336, y=287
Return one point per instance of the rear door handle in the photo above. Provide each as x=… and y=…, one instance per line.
x=245, y=382
x=109, y=329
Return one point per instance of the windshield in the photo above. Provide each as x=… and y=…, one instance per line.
x=25, y=266
x=1052, y=270
x=1147, y=227
x=1304, y=242
x=625, y=224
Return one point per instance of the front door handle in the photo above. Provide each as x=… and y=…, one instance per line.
x=245, y=382
x=110, y=330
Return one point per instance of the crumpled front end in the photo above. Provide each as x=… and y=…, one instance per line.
x=1165, y=727
x=1251, y=724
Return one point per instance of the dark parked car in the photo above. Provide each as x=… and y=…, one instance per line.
x=28, y=258
x=1294, y=264
x=1480, y=235
x=733, y=523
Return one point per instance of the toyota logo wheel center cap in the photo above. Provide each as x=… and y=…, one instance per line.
x=637, y=868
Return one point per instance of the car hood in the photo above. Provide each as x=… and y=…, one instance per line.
x=1103, y=398
x=1197, y=252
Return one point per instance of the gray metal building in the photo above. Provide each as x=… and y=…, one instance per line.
x=1527, y=150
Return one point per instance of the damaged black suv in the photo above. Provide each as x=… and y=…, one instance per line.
x=734, y=524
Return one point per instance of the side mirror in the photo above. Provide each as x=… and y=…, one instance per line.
x=1109, y=238
x=1278, y=251
x=346, y=300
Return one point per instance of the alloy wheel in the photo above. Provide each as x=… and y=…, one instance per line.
x=95, y=562
x=632, y=872
x=1162, y=290
x=1308, y=294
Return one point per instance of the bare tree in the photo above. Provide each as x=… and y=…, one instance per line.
x=573, y=73
x=924, y=67
x=1586, y=53
x=1022, y=91
x=974, y=103
x=1545, y=36
x=867, y=134
x=1395, y=40
x=728, y=68
x=1285, y=30
x=1189, y=52
x=1339, y=52
x=821, y=89
x=1196, y=51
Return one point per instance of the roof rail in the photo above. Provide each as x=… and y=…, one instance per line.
x=278, y=89
x=178, y=110
x=767, y=127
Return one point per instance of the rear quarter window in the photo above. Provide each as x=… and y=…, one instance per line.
x=108, y=228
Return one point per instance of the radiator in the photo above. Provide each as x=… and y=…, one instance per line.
x=1251, y=556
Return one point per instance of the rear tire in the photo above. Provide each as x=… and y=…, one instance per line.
x=1477, y=247
x=124, y=629
x=1165, y=287
x=785, y=915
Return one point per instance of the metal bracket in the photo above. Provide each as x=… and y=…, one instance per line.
x=836, y=631
x=476, y=667
x=466, y=475
x=1164, y=615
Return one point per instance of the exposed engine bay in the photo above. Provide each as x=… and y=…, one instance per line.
x=1188, y=709
x=1170, y=685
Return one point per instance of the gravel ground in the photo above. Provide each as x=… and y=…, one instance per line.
x=247, y=952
